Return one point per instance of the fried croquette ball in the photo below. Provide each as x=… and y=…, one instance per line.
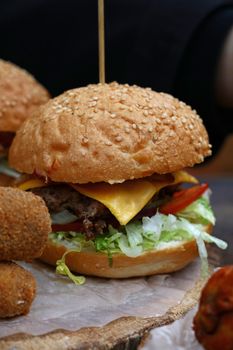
x=213, y=323
x=17, y=290
x=24, y=225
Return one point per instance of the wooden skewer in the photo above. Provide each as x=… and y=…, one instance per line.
x=101, y=41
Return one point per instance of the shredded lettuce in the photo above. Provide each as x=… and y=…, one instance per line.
x=62, y=268
x=151, y=233
x=198, y=212
x=71, y=240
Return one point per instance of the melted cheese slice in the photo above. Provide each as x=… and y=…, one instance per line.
x=31, y=183
x=125, y=200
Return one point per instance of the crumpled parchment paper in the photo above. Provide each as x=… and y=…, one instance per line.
x=61, y=304
x=177, y=336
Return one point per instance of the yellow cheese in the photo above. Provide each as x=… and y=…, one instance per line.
x=32, y=183
x=125, y=200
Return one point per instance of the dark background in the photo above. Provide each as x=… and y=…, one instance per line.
x=169, y=45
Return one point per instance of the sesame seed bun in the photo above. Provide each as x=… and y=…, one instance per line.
x=24, y=225
x=163, y=260
x=20, y=94
x=109, y=133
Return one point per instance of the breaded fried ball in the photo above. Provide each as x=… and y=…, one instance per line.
x=17, y=290
x=213, y=323
x=24, y=225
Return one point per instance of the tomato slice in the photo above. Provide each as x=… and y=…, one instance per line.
x=73, y=226
x=182, y=199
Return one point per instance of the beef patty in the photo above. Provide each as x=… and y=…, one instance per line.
x=91, y=213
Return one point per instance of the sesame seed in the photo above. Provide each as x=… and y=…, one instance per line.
x=92, y=104
x=118, y=138
x=200, y=158
x=108, y=143
x=150, y=129
x=190, y=126
x=134, y=126
x=85, y=139
x=127, y=130
x=145, y=113
x=112, y=115
x=173, y=118
x=183, y=120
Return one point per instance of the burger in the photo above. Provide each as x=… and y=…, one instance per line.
x=20, y=94
x=109, y=161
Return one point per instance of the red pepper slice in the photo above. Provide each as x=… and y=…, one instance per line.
x=182, y=199
x=73, y=226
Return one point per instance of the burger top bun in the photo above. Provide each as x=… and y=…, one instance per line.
x=20, y=93
x=109, y=133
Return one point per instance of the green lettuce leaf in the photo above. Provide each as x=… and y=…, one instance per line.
x=156, y=232
x=199, y=211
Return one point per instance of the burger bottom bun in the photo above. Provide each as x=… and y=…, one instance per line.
x=152, y=262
